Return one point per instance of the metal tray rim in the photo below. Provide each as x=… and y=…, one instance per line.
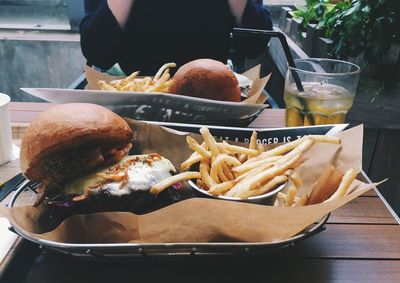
x=229, y=246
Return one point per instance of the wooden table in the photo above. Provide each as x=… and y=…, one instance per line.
x=361, y=243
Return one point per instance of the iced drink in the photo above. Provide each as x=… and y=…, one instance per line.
x=318, y=104
x=319, y=91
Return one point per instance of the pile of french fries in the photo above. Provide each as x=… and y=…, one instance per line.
x=161, y=82
x=241, y=172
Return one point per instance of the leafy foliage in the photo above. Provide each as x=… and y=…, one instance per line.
x=355, y=26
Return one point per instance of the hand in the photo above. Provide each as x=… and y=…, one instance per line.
x=121, y=10
x=237, y=9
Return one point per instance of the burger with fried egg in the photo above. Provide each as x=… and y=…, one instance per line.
x=79, y=153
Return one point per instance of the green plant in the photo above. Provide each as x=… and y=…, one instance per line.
x=356, y=26
x=320, y=12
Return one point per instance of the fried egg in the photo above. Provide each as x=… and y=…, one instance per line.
x=143, y=172
x=132, y=173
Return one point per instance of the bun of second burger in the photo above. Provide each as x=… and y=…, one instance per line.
x=206, y=78
x=69, y=140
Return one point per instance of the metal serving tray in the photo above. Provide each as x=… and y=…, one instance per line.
x=26, y=193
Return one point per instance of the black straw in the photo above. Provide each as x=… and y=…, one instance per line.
x=282, y=39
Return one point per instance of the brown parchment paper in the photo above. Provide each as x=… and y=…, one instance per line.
x=256, y=95
x=196, y=219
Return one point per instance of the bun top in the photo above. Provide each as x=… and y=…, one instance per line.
x=206, y=78
x=66, y=126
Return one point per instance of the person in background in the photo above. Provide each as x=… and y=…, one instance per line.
x=145, y=34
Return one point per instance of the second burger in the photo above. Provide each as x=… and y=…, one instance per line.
x=206, y=78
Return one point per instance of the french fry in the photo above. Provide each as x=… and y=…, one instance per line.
x=227, y=174
x=255, y=181
x=165, y=77
x=116, y=84
x=302, y=201
x=227, y=171
x=290, y=195
x=279, y=150
x=159, y=187
x=327, y=139
x=295, y=177
x=240, y=169
x=160, y=83
x=162, y=69
x=216, y=166
x=210, y=141
x=238, y=149
x=278, y=180
x=347, y=179
x=147, y=82
x=105, y=86
x=224, y=173
x=130, y=86
x=130, y=77
x=197, y=148
x=193, y=159
x=228, y=159
x=219, y=189
x=253, y=140
x=221, y=148
x=205, y=175
x=302, y=147
x=221, y=176
x=252, y=172
x=298, y=162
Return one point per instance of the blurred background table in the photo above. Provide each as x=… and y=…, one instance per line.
x=361, y=243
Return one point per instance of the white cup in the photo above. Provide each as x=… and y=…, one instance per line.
x=6, y=146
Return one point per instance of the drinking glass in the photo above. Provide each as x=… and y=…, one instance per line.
x=329, y=89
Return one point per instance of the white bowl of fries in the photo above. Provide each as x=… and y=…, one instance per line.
x=266, y=199
x=230, y=172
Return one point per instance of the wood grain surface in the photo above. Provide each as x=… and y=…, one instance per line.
x=363, y=210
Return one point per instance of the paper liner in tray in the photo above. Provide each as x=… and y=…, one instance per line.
x=198, y=220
